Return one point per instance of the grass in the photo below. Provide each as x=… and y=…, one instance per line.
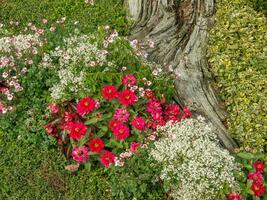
x=30, y=166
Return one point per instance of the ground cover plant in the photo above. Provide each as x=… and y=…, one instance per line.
x=239, y=66
x=84, y=115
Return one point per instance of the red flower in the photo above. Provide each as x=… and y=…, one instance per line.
x=96, y=145
x=234, y=196
x=139, y=123
x=187, y=112
x=127, y=97
x=113, y=124
x=157, y=123
x=258, y=189
x=259, y=166
x=134, y=146
x=53, y=108
x=173, y=118
x=85, y=106
x=109, y=92
x=172, y=110
x=129, y=80
x=154, y=107
x=121, y=132
x=256, y=177
x=107, y=158
x=77, y=130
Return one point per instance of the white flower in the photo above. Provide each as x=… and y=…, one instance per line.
x=9, y=97
x=155, y=72
x=5, y=75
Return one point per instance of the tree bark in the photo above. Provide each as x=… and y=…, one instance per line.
x=179, y=30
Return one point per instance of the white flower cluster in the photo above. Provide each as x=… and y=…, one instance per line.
x=20, y=43
x=192, y=157
x=66, y=77
x=78, y=50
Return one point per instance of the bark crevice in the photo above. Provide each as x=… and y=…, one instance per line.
x=179, y=30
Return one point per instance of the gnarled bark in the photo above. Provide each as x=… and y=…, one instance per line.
x=179, y=30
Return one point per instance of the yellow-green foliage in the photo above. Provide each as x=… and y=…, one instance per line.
x=238, y=56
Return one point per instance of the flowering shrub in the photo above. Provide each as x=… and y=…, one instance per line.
x=110, y=125
x=194, y=165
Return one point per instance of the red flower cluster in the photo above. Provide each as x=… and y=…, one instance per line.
x=88, y=139
x=120, y=130
x=257, y=179
x=161, y=114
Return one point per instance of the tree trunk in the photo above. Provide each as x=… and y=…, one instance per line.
x=179, y=30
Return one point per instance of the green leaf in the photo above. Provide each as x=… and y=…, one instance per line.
x=244, y=155
x=91, y=121
x=88, y=166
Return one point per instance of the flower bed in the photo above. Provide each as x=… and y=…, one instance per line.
x=94, y=96
x=102, y=127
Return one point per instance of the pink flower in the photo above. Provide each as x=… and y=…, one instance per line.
x=129, y=80
x=134, y=146
x=154, y=107
x=256, y=177
x=107, y=158
x=53, y=108
x=80, y=154
x=85, y=106
x=127, y=97
x=121, y=132
x=109, y=92
x=259, y=166
x=121, y=115
x=139, y=123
